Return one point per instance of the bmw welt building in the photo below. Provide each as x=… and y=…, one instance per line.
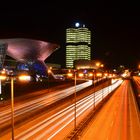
x=29, y=53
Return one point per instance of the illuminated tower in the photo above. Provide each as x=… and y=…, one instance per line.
x=78, y=41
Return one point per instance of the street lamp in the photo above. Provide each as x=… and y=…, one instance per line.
x=102, y=65
x=21, y=78
x=3, y=77
x=98, y=64
x=94, y=89
x=12, y=106
x=80, y=74
x=49, y=71
x=75, y=99
x=69, y=74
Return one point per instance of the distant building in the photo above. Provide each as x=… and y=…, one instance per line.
x=85, y=64
x=78, y=41
x=53, y=66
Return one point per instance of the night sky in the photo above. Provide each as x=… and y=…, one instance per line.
x=115, y=27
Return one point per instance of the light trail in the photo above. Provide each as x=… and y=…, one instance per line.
x=40, y=102
x=57, y=122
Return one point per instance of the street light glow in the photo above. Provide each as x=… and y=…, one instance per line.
x=3, y=71
x=98, y=64
x=99, y=74
x=49, y=71
x=80, y=74
x=69, y=74
x=90, y=74
x=24, y=78
x=102, y=65
x=2, y=77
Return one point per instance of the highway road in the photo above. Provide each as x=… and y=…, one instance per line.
x=118, y=119
x=32, y=104
x=57, y=123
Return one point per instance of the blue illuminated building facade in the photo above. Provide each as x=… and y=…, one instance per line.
x=36, y=67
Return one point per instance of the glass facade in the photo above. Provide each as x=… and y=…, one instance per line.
x=34, y=67
x=78, y=42
x=3, y=48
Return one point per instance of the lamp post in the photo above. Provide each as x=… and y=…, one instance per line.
x=49, y=71
x=97, y=65
x=75, y=99
x=3, y=77
x=12, y=106
x=69, y=74
x=21, y=78
x=94, y=89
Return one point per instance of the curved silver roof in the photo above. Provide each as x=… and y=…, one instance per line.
x=28, y=49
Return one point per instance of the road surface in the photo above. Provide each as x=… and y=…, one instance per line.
x=58, y=122
x=117, y=120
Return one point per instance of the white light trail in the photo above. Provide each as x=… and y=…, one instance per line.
x=66, y=116
x=38, y=103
